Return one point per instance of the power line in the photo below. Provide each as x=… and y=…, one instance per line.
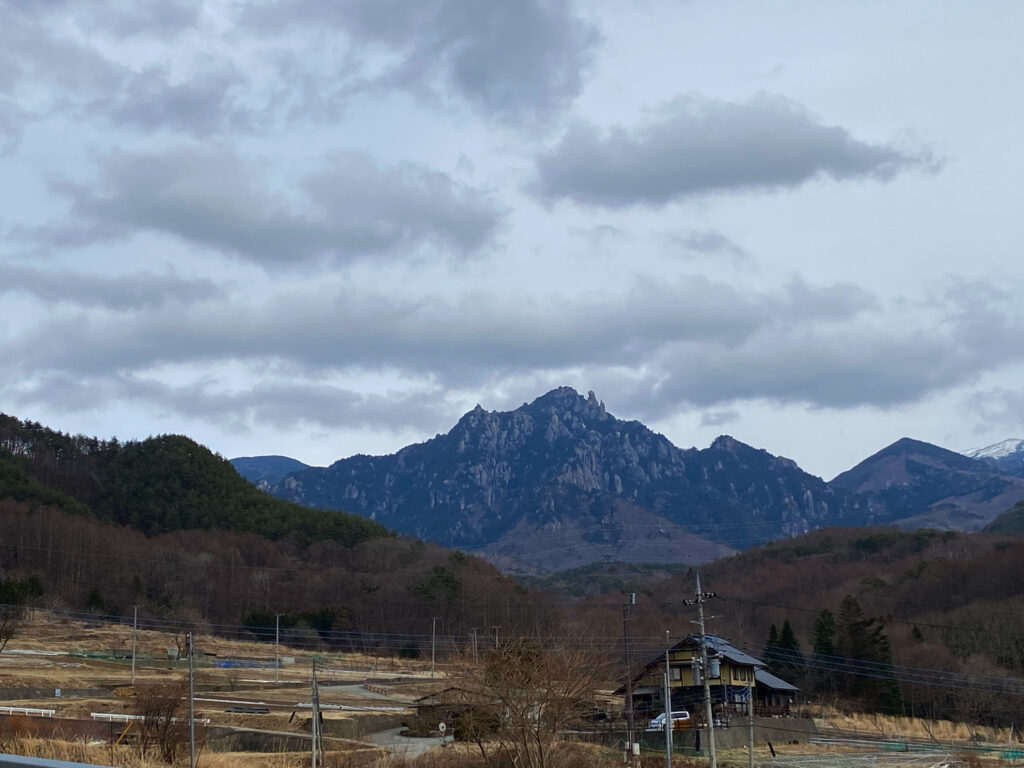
x=394, y=641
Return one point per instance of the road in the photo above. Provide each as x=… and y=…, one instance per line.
x=402, y=746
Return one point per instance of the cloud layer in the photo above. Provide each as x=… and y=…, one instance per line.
x=135, y=292
x=698, y=146
x=695, y=344
x=510, y=59
x=209, y=196
x=361, y=216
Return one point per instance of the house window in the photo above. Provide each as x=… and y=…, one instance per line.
x=677, y=673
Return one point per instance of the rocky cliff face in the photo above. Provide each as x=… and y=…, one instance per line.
x=561, y=479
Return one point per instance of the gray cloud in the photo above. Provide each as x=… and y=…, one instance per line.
x=210, y=197
x=457, y=340
x=12, y=119
x=718, y=418
x=707, y=242
x=841, y=371
x=998, y=408
x=657, y=348
x=118, y=18
x=35, y=56
x=276, y=405
x=829, y=303
x=885, y=362
x=202, y=104
x=600, y=234
x=118, y=293
x=699, y=146
x=459, y=344
x=129, y=18
x=53, y=58
x=508, y=58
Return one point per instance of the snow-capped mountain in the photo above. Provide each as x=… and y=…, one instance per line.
x=1007, y=456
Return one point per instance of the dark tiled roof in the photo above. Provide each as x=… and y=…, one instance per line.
x=720, y=645
x=768, y=680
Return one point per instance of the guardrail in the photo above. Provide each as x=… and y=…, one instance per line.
x=32, y=711
x=119, y=717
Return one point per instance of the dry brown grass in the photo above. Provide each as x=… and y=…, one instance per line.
x=73, y=751
x=833, y=722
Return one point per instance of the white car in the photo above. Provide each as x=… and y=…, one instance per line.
x=680, y=719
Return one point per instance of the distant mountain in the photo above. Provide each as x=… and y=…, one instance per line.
x=560, y=482
x=1006, y=456
x=917, y=485
x=266, y=470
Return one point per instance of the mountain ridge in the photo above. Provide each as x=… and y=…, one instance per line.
x=915, y=484
x=563, y=467
x=560, y=482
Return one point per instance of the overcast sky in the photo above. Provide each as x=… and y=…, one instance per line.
x=325, y=228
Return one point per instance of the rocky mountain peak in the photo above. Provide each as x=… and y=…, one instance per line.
x=563, y=465
x=727, y=443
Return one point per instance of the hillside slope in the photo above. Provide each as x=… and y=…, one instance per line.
x=157, y=485
x=167, y=524
x=944, y=600
x=1011, y=521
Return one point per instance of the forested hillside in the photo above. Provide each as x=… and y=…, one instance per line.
x=1011, y=521
x=162, y=484
x=933, y=621
x=103, y=525
x=227, y=579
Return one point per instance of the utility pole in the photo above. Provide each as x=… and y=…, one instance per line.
x=315, y=726
x=135, y=633
x=433, y=644
x=277, y=646
x=750, y=717
x=629, y=676
x=712, y=762
x=668, y=703
x=191, y=704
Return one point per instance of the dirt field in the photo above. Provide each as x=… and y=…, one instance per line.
x=91, y=667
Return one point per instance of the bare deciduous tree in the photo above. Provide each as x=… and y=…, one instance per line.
x=164, y=725
x=11, y=617
x=517, y=700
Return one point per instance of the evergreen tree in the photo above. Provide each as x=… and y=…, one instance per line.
x=791, y=656
x=863, y=644
x=825, y=634
x=823, y=679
